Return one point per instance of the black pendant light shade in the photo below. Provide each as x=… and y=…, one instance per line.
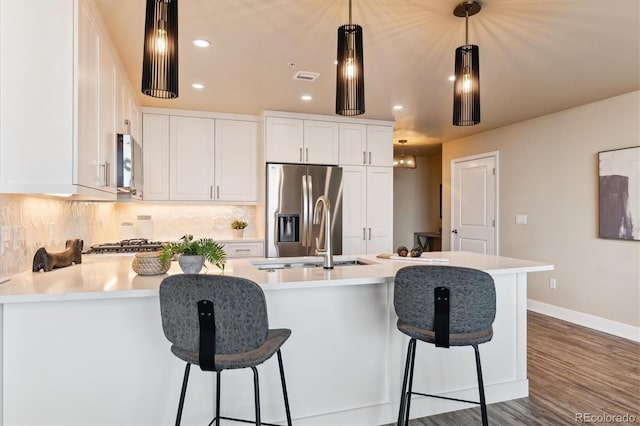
x=160, y=58
x=466, y=88
x=350, y=70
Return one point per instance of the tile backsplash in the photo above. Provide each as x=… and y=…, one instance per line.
x=34, y=221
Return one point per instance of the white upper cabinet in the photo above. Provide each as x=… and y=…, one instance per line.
x=366, y=145
x=236, y=161
x=380, y=146
x=320, y=142
x=292, y=140
x=58, y=103
x=284, y=140
x=155, y=138
x=191, y=158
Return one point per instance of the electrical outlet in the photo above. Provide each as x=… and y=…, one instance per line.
x=552, y=283
x=6, y=239
x=18, y=238
x=521, y=219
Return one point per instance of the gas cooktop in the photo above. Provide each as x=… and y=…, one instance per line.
x=125, y=246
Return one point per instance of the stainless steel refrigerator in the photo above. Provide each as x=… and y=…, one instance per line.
x=292, y=191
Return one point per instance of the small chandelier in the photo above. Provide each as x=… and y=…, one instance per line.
x=404, y=161
x=350, y=70
x=466, y=88
x=160, y=57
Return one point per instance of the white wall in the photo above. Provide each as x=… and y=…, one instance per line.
x=549, y=171
x=416, y=200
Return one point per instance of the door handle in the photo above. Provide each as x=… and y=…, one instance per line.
x=306, y=160
x=455, y=231
x=369, y=157
x=369, y=234
x=364, y=234
x=305, y=207
x=301, y=155
x=364, y=157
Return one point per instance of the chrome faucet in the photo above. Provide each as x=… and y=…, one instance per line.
x=327, y=251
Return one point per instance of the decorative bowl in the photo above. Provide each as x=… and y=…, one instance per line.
x=148, y=263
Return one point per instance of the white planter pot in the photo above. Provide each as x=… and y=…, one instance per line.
x=191, y=264
x=238, y=233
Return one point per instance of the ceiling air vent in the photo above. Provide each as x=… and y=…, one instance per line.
x=306, y=75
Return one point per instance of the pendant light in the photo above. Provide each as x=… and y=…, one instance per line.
x=160, y=58
x=350, y=70
x=404, y=161
x=466, y=88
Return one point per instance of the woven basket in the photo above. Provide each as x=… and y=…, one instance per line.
x=148, y=263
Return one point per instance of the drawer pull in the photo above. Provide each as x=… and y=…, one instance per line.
x=239, y=250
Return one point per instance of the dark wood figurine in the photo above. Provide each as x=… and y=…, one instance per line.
x=48, y=261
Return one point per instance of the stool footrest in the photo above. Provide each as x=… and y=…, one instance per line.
x=253, y=422
x=445, y=397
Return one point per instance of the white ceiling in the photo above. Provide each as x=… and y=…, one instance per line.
x=536, y=57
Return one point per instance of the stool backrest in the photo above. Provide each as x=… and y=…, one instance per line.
x=472, y=304
x=240, y=311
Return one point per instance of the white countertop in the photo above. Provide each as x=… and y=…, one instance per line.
x=104, y=276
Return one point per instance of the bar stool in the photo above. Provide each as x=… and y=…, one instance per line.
x=445, y=306
x=220, y=322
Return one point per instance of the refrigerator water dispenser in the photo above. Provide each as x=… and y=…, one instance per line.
x=288, y=228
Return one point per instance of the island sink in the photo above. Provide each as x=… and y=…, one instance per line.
x=307, y=262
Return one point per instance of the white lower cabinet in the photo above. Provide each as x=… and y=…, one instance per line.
x=367, y=210
x=188, y=158
x=244, y=249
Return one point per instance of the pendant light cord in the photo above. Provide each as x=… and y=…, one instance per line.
x=349, y=12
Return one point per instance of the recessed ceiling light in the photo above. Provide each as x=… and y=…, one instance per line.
x=200, y=42
x=306, y=97
x=452, y=78
x=397, y=107
x=197, y=86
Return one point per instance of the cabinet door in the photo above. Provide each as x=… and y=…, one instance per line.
x=107, y=121
x=191, y=158
x=321, y=142
x=89, y=168
x=236, y=164
x=353, y=144
x=380, y=146
x=36, y=96
x=284, y=138
x=155, y=151
x=379, y=210
x=353, y=209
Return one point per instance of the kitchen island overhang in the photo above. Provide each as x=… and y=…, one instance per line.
x=107, y=360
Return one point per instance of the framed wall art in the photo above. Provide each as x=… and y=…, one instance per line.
x=619, y=193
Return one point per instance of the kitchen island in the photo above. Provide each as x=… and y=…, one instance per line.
x=84, y=345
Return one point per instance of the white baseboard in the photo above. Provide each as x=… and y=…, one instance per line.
x=591, y=321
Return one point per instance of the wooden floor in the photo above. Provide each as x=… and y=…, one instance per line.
x=572, y=370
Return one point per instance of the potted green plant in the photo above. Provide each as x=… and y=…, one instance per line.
x=193, y=253
x=238, y=228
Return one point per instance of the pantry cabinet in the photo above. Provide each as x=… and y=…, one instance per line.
x=196, y=157
x=367, y=210
x=293, y=140
x=58, y=103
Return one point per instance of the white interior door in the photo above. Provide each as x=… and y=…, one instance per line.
x=474, y=204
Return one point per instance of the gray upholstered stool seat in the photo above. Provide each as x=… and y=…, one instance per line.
x=445, y=306
x=219, y=322
x=275, y=339
x=455, y=339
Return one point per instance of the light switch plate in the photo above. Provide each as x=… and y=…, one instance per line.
x=521, y=219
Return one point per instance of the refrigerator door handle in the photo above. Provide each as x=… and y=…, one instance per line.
x=309, y=219
x=305, y=209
